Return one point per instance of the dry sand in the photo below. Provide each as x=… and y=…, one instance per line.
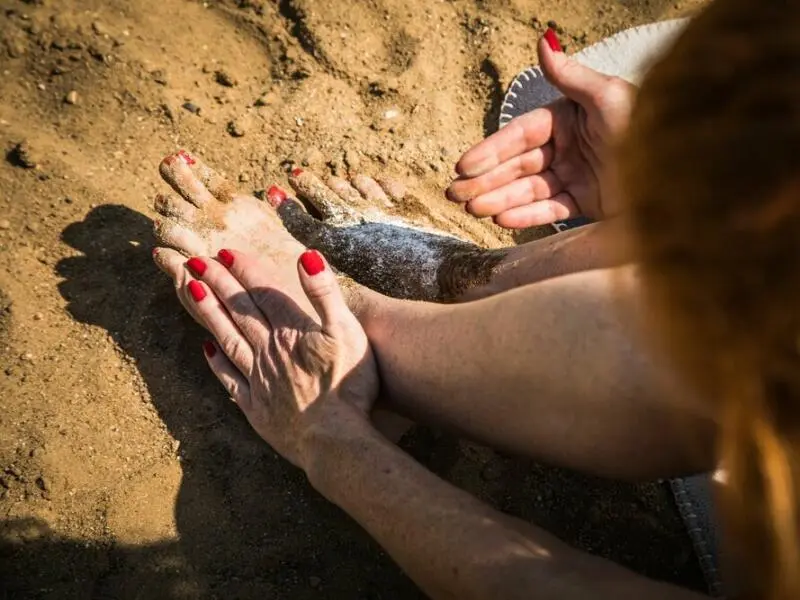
x=124, y=472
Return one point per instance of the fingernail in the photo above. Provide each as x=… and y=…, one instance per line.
x=197, y=266
x=297, y=172
x=225, y=257
x=312, y=262
x=186, y=157
x=209, y=349
x=552, y=40
x=196, y=290
x=276, y=196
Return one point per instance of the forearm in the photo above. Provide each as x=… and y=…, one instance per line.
x=450, y=544
x=589, y=247
x=556, y=371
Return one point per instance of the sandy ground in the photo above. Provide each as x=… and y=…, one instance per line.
x=124, y=472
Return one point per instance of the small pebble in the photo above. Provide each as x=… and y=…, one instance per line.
x=244, y=177
x=42, y=483
x=159, y=76
x=5, y=224
x=71, y=97
x=27, y=357
x=236, y=128
x=21, y=156
x=99, y=29
x=38, y=316
x=224, y=78
x=267, y=99
x=192, y=108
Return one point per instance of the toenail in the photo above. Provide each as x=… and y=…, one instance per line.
x=552, y=40
x=197, y=266
x=225, y=257
x=156, y=251
x=276, y=196
x=186, y=157
x=297, y=172
x=197, y=290
x=312, y=262
x=209, y=349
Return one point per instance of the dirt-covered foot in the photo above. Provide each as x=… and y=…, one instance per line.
x=362, y=234
x=210, y=216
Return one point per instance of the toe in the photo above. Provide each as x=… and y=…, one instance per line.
x=393, y=188
x=344, y=190
x=171, y=233
x=370, y=189
x=177, y=208
x=331, y=206
x=195, y=180
x=177, y=172
x=170, y=262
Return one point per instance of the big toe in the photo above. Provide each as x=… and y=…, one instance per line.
x=195, y=181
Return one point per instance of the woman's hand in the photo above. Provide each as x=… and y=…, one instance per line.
x=548, y=165
x=288, y=374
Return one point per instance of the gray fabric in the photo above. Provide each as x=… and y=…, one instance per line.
x=694, y=497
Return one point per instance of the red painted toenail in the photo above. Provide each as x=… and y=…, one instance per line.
x=209, y=349
x=196, y=290
x=297, y=172
x=186, y=157
x=156, y=251
x=312, y=262
x=276, y=196
x=197, y=266
x=552, y=40
x=225, y=257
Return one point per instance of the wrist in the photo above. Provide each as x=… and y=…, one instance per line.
x=330, y=438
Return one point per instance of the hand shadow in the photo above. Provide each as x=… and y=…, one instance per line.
x=249, y=523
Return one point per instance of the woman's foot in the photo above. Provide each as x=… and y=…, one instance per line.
x=386, y=238
x=210, y=215
x=362, y=231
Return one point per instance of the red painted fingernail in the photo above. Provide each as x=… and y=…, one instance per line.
x=276, y=196
x=297, y=172
x=225, y=257
x=197, y=266
x=186, y=157
x=552, y=40
x=196, y=290
x=312, y=262
x=209, y=349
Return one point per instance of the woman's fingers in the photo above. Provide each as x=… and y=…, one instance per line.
x=525, y=164
x=275, y=305
x=517, y=193
x=217, y=320
x=238, y=301
x=229, y=376
x=543, y=212
x=322, y=289
x=526, y=132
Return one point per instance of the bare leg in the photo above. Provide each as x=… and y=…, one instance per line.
x=553, y=370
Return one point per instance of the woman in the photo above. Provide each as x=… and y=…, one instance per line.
x=307, y=385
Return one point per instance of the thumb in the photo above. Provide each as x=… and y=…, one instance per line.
x=576, y=81
x=320, y=285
